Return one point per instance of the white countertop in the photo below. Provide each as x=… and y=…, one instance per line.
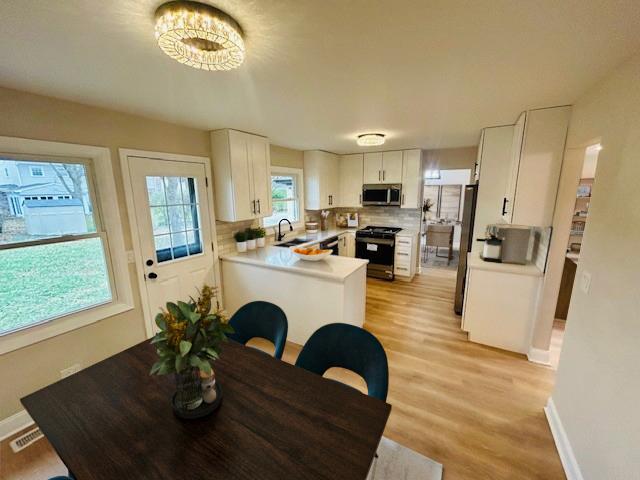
x=474, y=261
x=321, y=236
x=281, y=258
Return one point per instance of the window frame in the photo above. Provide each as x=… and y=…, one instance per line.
x=299, y=174
x=103, y=194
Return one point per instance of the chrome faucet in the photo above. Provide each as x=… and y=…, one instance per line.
x=280, y=234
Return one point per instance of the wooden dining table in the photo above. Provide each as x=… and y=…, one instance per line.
x=114, y=421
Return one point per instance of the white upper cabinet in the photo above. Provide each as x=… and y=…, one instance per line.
x=537, y=153
x=372, y=167
x=412, y=180
x=241, y=169
x=383, y=167
x=351, y=180
x=392, y=167
x=320, y=180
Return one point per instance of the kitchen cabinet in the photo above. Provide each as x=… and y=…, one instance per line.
x=383, y=167
x=351, y=180
x=241, y=170
x=406, y=255
x=347, y=244
x=536, y=160
x=412, y=180
x=321, y=185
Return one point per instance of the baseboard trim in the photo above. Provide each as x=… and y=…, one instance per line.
x=537, y=355
x=13, y=424
x=567, y=457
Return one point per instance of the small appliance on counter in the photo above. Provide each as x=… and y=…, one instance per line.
x=311, y=227
x=508, y=244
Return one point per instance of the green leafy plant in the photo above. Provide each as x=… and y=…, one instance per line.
x=240, y=236
x=190, y=334
x=259, y=232
x=251, y=233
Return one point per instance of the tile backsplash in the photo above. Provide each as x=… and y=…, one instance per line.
x=406, y=218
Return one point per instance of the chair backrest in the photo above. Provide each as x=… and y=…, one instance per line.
x=263, y=320
x=439, y=235
x=346, y=346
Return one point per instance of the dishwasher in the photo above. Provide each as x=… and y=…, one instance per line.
x=330, y=244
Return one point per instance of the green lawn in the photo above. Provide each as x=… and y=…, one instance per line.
x=45, y=281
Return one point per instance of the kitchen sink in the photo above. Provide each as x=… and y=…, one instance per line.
x=291, y=243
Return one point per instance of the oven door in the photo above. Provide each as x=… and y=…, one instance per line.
x=379, y=251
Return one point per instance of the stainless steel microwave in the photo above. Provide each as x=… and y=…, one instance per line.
x=387, y=194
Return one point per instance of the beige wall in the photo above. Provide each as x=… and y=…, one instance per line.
x=598, y=381
x=449, y=158
x=286, y=157
x=32, y=116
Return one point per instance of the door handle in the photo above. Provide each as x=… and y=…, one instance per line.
x=259, y=209
x=152, y=275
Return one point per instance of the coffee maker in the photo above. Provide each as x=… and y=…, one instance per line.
x=508, y=243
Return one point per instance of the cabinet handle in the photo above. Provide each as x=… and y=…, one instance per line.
x=259, y=209
x=379, y=175
x=253, y=207
x=360, y=199
x=405, y=254
x=504, y=206
x=403, y=199
x=383, y=174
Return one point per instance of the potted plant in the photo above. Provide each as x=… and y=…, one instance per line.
x=251, y=238
x=260, y=234
x=188, y=342
x=241, y=241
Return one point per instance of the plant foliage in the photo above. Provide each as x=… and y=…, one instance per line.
x=190, y=334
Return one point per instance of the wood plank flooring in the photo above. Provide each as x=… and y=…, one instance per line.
x=475, y=409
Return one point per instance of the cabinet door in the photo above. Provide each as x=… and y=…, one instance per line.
x=332, y=180
x=510, y=194
x=243, y=193
x=392, y=167
x=373, y=167
x=315, y=180
x=411, y=179
x=261, y=172
x=351, y=244
x=342, y=245
x=351, y=174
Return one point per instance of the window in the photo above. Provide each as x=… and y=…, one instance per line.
x=432, y=175
x=174, y=216
x=286, y=186
x=37, y=171
x=53, y=258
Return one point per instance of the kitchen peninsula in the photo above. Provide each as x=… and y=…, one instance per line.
x=312, y=294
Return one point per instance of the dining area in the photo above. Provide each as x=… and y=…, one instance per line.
x=252, y=415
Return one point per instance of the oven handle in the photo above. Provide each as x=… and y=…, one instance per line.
x=379, y=241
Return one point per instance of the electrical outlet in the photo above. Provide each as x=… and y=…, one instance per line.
x=585, y=282
x=75, y=368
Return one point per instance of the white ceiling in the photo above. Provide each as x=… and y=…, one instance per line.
x=427, y=73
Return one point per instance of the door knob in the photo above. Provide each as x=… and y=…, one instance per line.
x=149, y=262
x=153, y=275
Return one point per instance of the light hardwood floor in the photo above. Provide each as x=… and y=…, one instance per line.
x=476, y=410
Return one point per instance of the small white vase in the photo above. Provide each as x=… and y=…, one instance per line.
x=251, y=244
x=241, y=246
x=260, y=242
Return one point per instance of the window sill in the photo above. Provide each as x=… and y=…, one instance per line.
x=38, y=333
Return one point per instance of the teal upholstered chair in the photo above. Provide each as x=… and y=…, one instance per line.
x=346, y=346
x=263, y=320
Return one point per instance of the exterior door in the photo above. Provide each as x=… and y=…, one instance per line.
x=174, y=229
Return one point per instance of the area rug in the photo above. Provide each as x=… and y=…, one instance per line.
x=396, y=462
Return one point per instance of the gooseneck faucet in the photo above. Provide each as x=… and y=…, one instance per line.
x=280, y=234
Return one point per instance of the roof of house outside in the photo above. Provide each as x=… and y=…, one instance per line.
x=57, y=202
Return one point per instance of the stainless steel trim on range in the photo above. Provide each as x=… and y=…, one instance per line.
x=384, y=194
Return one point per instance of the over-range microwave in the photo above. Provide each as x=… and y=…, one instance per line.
x=387, y=194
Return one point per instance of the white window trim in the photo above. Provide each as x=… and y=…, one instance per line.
x=299, y=172
x=106, y=199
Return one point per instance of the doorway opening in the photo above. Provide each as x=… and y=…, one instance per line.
x=574, y=245
x=441, y=224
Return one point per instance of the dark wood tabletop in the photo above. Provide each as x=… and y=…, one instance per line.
x=115, y=421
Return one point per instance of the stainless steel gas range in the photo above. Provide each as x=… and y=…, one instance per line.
x=377, y=244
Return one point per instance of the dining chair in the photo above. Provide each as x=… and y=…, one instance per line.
x=260, y=320
x=347, y=346
x=440, y=236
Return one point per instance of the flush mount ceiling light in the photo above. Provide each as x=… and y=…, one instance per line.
x=199, y=35
x=370, y=139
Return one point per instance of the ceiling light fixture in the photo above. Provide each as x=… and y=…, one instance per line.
x=199, y=35
x=370, y=139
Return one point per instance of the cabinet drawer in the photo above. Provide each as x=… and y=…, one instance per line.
x=404, y=261
x=403, y=258
x=402, y=270
x=404, y=249
x=403, y=241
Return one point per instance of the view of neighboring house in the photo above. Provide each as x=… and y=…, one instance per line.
x=42, y=198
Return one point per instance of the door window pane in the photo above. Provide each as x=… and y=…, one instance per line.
x=174, y=218
x=42, y=282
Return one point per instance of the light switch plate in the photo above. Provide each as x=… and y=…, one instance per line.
x=585, y=282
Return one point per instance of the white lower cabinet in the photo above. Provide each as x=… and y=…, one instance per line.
x=406, y=255
x=347, y=244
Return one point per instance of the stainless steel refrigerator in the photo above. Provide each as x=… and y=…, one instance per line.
x=466, y=242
